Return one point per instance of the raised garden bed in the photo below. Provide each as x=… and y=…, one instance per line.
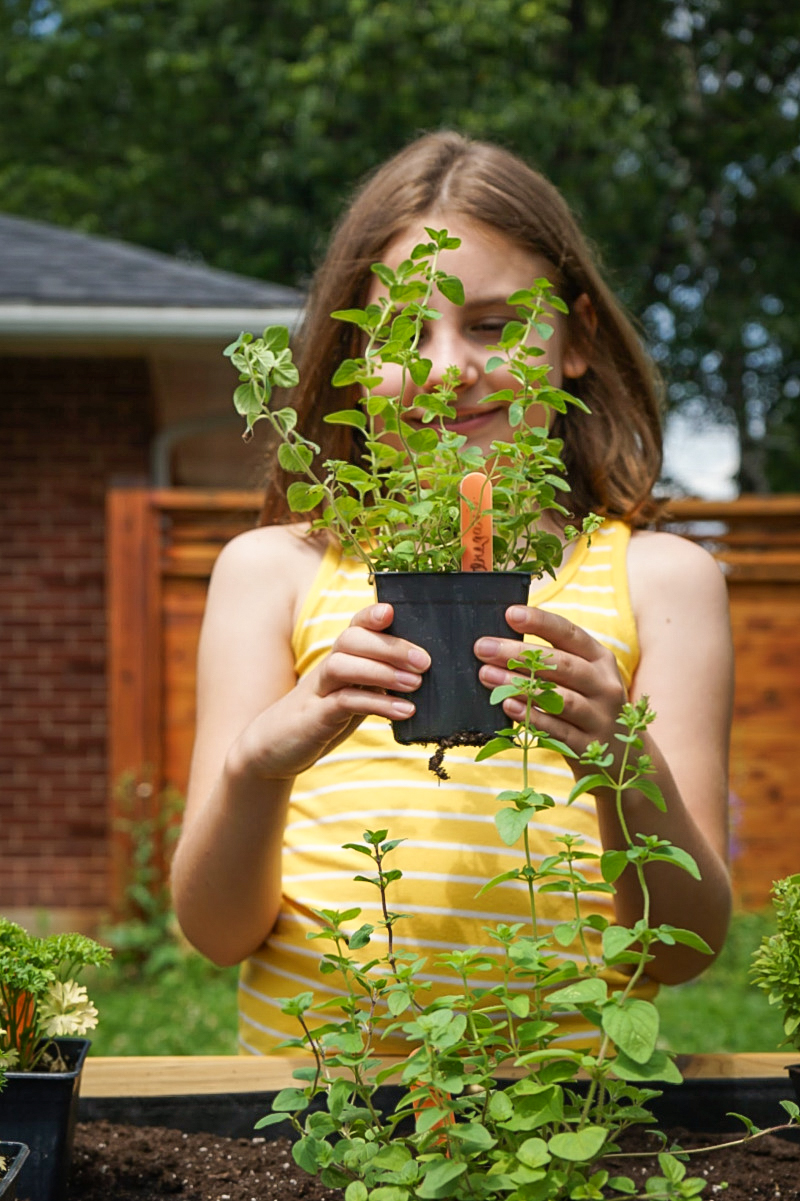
x=170, y=1127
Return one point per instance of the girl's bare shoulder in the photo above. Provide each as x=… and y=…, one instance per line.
x=269, y=560
x=666, y=570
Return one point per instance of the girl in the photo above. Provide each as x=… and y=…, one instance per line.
x=294, y=754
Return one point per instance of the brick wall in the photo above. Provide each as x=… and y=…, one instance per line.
x=67, y=426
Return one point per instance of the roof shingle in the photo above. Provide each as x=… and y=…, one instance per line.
x=46, y=264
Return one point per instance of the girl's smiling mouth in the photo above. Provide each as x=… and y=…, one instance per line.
x=465, y=420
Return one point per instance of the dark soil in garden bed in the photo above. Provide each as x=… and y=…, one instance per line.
x=148, y=1163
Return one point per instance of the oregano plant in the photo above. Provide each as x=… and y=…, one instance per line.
x=398, y=509
x=459, y=1130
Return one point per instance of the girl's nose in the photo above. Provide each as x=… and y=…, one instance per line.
x=445, y=351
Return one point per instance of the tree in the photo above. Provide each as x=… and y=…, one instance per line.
x=233, y=132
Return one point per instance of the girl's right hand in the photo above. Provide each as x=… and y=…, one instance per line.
x=326, y=705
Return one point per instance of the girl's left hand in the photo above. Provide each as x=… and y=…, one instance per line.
x=584, y=671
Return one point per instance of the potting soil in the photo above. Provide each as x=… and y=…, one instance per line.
x=130, y=1163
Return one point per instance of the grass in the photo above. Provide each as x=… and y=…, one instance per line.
x=189, y=1007
x=185, y=1009
x=722, y=1010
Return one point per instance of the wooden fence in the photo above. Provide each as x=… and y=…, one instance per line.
x=162, y=545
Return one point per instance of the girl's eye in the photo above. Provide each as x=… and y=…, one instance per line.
x=488, y=326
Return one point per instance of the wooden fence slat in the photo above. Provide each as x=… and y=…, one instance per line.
x=133, y=592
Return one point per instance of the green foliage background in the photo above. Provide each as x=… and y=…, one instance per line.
x=233, y=131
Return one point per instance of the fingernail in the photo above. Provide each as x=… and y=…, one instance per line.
x=417, y=657
x=405, y=679
x=402, y=708
x=516, y=613
x=380, y=612
x=487, y=647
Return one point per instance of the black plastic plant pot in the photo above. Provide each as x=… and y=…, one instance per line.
x=40, y=1110
x=794, y=1075
x=14, y=1156
x=446, y=612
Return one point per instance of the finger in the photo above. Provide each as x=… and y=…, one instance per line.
x=374, y=617
x=559, y=631
x=364, y=702
x=343, y=669
x=364, y=636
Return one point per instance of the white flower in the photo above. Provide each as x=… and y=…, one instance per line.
x=66, y=1009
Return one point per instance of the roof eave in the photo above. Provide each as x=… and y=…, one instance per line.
x=122, y=322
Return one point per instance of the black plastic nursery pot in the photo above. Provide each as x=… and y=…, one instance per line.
x=794, y=1075
x=40, y=1109
x=14, y=1155
x=445, y=613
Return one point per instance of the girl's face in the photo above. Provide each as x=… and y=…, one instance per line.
x=491, y=267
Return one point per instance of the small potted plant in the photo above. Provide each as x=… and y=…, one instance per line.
x=776, y=964
x=12, y=1157
x=428, y=538
x=44, y=1014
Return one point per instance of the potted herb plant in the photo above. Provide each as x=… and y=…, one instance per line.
x=776, y=964
x=428, y=538
x=44, y=1012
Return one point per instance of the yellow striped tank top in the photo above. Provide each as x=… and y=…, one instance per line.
x=451, y=845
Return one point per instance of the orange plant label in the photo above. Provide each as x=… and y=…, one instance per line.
x=476, y=522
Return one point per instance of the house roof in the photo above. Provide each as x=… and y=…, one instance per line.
x=54, y=280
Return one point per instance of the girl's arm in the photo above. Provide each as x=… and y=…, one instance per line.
x=686, y=669
x=258, y=726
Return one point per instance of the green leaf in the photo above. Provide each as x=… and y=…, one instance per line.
x=494, y=747
x=276, y=337
x=474, y=1136
x=615, y=940
x=659, y=1067
x=428, y=1117
x=679, y=857
x=290, y=1100
x=511, y=823
x=294, y=456
x=587, y=784
x=356, y=1189
x=612, y=865
x=360, y=937
x=650, y=789
x=500, y=1107
x=584, y=992
x=347, y=373
x=632, y=1027
x=451, y=288
x=354, y=316
x=347, y=417
x=310, y=1154
x=533, y=1153
x=579, y=1145
x=622, y=1184
x=271, y=1119
x=439, y=1179
x=247, y=400
x=304, y=497
x=419, y=370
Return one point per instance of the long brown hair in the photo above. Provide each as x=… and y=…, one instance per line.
x=612, y=454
